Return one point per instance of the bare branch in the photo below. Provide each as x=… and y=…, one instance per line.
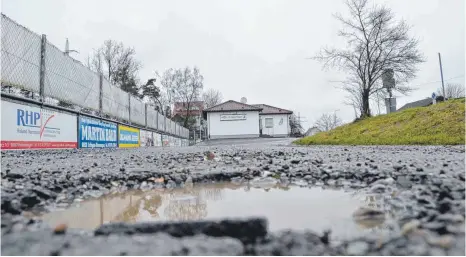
x=452, y=90
x=212, y=97
x=328, y=122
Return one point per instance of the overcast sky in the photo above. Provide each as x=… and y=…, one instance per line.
x=249, y=48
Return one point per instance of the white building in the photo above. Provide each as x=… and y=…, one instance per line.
x=274, y=121
x=233, y=119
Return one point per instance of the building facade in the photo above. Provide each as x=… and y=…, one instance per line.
x=273, y=121
x=233, y=119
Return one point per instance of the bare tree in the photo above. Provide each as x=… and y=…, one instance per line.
x=110, y=52
x=118, y=64
x=183, y=85
x=452, y=90
x=212, y=97
x=328, y=122
x=189, y=83
x=168, y=87
x=376, y=42
x=162, y=96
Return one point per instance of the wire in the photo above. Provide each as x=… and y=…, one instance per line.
x=432, y=82
x=427, y=83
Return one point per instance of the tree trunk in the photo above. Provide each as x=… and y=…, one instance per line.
x=366, y=112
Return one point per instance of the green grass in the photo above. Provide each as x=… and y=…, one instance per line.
x=440, y=124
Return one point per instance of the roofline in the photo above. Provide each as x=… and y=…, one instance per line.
x=252, y=109
x=407, y=105
x=235, y=110
x=275, y=113
x=274, y=107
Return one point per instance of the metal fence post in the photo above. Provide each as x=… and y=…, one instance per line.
x=43, y=43
x=145, y=113
x=101, y=94
x=129, y=108
x=157, y=122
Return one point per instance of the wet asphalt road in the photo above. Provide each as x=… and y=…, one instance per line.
x=38, y=181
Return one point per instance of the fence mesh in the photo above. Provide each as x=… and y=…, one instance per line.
x=20, y=57
x=151, y=118
x=65, y=81
x=115, y=102
x=173, y=128
x=161, y=122
x=137, y=111
x=69, y=81
x=168, y=124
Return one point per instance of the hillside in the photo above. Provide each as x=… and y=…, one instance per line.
x=440, y=124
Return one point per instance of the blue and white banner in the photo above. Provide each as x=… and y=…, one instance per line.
x=94, y=133
x=128, y=137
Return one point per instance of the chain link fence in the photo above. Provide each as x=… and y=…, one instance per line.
x=33, y=68
x=161, y=122
x=20, y=51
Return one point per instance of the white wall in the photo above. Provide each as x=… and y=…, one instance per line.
x=280, y=130
x=233, y=129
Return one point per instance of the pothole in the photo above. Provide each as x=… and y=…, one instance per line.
x=346, y=213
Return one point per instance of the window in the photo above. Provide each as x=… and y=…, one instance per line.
x=269, y=122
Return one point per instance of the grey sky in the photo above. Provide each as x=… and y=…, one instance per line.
x=255, y=49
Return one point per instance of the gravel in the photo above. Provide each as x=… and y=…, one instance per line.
x=39, y=181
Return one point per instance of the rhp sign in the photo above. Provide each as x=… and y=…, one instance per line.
x=96, y=133
x=28, y=127
x=128, y=137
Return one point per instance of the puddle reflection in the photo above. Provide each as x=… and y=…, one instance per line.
x=286, y=207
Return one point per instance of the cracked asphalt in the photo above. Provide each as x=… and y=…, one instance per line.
x=430, y=179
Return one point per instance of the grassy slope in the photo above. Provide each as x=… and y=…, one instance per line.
x=440, y=124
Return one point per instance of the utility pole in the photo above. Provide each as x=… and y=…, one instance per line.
x=441, y=76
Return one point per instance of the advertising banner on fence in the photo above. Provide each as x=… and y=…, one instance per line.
x=128, y=137
x=165, y=140
x=157, y=139
x=94, y=133
x=147, y=138
x=170, y=141
x=28, y=127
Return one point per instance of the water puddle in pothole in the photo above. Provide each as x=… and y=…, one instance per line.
x=285, y=207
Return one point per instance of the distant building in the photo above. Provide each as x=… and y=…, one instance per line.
x=233, y=119
x=420, y=103
x=312, y=131
x=195, y=108
x=180, y=112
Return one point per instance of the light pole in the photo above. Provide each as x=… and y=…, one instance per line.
x=441, y=75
